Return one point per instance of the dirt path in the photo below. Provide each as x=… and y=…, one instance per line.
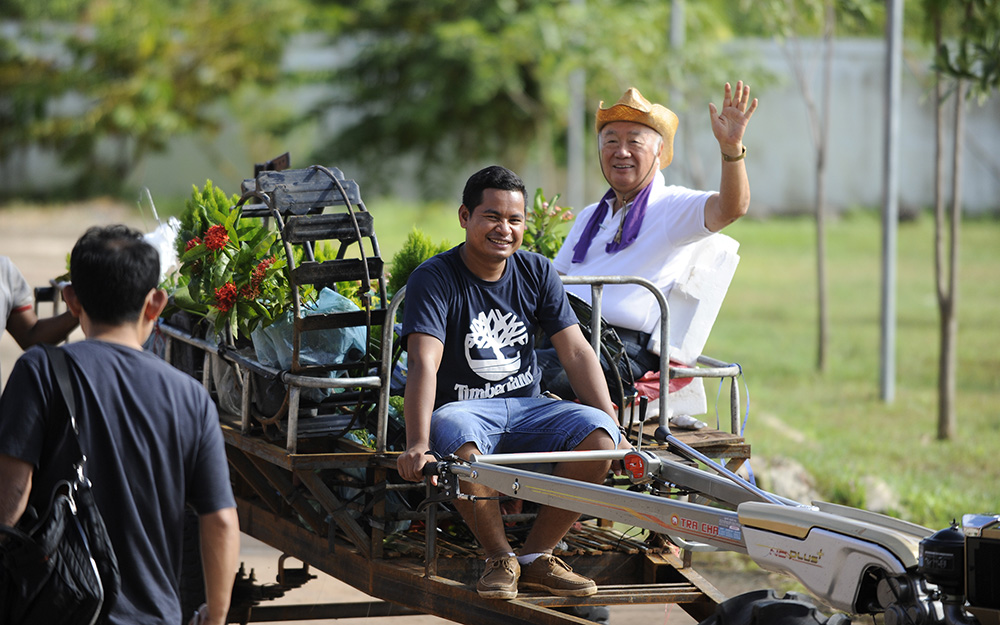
x=38, y=242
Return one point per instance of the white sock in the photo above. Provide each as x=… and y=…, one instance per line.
x=528, y=558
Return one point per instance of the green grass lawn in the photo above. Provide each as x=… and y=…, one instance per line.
x=835, y=424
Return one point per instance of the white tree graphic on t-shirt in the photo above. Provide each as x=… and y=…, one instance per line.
x=489, y=333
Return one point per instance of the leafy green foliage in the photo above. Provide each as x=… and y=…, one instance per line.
x=545, y=226
x=417, y=248
x=352, y=291
x=23, y=94
x=458, y=80
x=58, y=10
x=133, y=74
x=430, y=77
x=975, y=54
x=396, y=402
x=232, y=271
x=804, y=18
x=198, y=211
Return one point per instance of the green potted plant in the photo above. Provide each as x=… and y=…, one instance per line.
x=231, y=269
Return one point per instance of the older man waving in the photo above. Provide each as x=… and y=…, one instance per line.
x=641, y=226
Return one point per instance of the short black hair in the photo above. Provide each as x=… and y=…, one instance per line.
x=112, y=269
x=492, y=177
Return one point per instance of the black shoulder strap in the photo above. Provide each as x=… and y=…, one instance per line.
x=60, y=367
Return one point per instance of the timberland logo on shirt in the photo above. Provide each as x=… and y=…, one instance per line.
x=491, y=346
x=520, y=380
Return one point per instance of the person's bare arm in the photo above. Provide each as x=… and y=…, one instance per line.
x=220, y=551
x=423, y=357
x=27, y=329
x=15, y=486
x=583, y=369
x=733, y=199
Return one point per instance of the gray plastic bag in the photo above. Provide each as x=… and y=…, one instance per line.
x=273, y=344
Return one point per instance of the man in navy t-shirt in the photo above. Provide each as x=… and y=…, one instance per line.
x=473, y=384
x=150, y=433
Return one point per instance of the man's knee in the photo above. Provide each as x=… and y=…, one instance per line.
x=467, y=450
x=598, y=440
x=593, y=471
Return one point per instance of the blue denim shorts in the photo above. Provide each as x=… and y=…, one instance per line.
x=520, y=424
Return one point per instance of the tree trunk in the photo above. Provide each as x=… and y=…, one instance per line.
x=941, y=288
x=948, y=293
x=821, y=148
x=939, y=225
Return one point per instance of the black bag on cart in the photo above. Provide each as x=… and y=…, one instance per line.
x=60, y=569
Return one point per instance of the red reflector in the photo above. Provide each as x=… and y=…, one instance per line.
x=635, y=465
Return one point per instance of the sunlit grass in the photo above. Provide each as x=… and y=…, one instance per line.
x=769, y=325
x=394, y=220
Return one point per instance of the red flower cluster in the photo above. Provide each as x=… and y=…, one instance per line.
x=216, y=237
x=260, y=271
x=252, y=290
x=196, y=265
x=225, y=297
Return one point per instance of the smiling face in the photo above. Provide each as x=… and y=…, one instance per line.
x=493, y=231
x=629, y=153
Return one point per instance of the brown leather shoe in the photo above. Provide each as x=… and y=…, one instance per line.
x=550, y=574
x=499, y=580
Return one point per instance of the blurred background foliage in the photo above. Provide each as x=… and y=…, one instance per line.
x=105, y=83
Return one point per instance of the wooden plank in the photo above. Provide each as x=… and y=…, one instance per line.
x=622, y=594
x=276, y=454
x=332, y=271
x=296, y=191
x=268, y=181
x=354, y=318
x=299, y=229
x=253, y=478
x=300, y=200
x=312, y=612
x=255, y=210
x=282, y=482
x=709, y=441
x=711, y=597
x=335, y=508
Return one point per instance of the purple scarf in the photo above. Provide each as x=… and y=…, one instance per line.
x=629, y=229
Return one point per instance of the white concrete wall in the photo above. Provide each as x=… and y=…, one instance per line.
x=781, y=150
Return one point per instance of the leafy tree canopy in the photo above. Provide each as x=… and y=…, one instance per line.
x=460, y=80
x=974, y=55
x=135, y=72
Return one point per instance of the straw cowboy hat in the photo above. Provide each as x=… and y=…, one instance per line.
x=632, y=107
